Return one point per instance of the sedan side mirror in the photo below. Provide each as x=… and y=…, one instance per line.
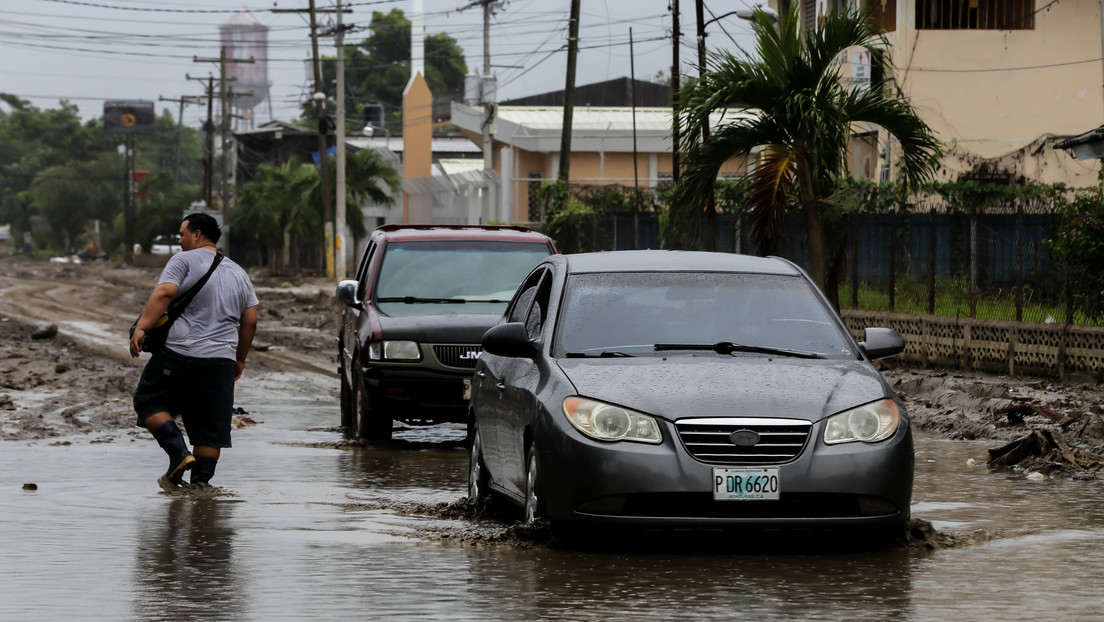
x=346, y=293
x=509, y=339
x=879, y=343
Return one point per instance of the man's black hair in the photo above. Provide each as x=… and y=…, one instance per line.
x=204, y=224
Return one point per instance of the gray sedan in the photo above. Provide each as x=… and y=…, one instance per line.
x=666, y=388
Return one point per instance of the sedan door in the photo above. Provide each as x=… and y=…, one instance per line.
x=520, y=381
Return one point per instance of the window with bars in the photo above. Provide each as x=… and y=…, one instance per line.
x=975, y=14
x=535, y=211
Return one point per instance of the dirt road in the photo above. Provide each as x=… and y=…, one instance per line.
x=64, y=364
x=81, y=378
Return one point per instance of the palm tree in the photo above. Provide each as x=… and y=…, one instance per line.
x=800, y=115
x=365, y=174
x=276, y=205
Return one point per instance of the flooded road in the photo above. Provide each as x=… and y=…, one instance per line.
x=308, y=528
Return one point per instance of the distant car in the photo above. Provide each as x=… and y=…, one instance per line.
x=165, y=245
x=413, y=318
x=665, y=388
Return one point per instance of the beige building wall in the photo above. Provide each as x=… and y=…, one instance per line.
x=999, y=100
x=1003, y=98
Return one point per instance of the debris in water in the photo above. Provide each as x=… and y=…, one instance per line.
x=48, y=332
x=30, y=486
x=1046, y=451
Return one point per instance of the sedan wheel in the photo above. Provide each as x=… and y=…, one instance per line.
x=477, y=470
x=534, y=503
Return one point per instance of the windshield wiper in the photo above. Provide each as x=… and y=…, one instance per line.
x=416, y=300
x=492, y=300
x=602, y=354
x=728, y=347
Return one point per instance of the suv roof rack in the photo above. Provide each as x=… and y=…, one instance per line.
x=455, y=227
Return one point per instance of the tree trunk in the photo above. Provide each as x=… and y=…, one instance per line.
x=286, y=258
x=814, y=244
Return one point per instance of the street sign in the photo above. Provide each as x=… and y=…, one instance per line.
x=128, y=117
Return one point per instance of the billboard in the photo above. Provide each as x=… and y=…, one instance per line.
x=128, y=117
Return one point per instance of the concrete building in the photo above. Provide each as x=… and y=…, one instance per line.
x=1001, y=82
x=603, y=150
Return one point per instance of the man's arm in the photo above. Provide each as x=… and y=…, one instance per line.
x=159, y=301
x=247, y=328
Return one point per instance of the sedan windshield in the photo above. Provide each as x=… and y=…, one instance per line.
x=727, y=314
x=453, y=276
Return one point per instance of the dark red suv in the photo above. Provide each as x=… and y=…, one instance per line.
x=415, y=315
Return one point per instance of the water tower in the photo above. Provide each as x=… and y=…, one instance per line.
x=244, y=37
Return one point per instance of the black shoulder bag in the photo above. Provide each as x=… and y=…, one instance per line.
x=159, y=332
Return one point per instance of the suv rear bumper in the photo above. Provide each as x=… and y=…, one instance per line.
x=417, y=394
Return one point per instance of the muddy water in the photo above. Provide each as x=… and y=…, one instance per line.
x=308, y=528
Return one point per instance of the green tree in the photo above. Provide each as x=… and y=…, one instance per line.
x=800, y=114
x=33, y=140
x=69, y=196
x=378, y=68
x=366, y=175
x=281, y=204
x=275, y=207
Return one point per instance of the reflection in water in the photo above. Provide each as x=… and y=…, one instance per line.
x=563, y=585
x=185, y=566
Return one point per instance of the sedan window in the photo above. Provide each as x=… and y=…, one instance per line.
x=635, y=312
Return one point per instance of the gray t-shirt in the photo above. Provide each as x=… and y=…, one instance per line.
x=208, y=328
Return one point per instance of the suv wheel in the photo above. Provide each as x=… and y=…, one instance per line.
x=346, y=398
x=371, y=424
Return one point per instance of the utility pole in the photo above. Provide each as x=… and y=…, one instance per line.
x=184, y=99
x=711, y=201
x=208, y=136
x=487, y=93
x=675, y=80
x=339, y=219
x=224, y=108
x=700, y=8
x=488, y=106
x=320, y=102
x=569, y=94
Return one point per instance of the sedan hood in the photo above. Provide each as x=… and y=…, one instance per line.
x=438, y=328
x=718, y=386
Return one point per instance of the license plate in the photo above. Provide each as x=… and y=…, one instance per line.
x=745, y=484
x=467, y=388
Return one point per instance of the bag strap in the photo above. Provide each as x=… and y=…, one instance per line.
x=178, y=304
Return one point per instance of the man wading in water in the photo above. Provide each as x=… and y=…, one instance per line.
x=193, y=375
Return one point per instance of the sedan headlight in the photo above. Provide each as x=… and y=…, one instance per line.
x=394, y=351
x=606, y=422
x=871, y=423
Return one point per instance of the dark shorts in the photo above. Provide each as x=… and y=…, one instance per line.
x=199, y=391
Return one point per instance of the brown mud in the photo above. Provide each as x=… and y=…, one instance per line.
x=64, y=364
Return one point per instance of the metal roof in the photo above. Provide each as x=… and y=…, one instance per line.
x=1087, y=146
x=437, y=145
x=596, y=129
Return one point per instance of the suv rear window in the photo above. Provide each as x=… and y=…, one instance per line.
x=456, y=276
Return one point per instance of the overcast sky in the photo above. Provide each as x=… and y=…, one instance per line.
x=97, y=50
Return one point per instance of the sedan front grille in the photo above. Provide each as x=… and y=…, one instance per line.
x=744, y=441
x=462, y=356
